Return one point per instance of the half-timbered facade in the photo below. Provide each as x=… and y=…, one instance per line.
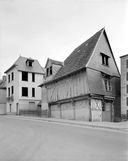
x=86, y=87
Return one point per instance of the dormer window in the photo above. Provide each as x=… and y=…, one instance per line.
x=105, y=59
x=49, y=71
x=29, y=62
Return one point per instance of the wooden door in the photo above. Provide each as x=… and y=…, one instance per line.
x=106, y=112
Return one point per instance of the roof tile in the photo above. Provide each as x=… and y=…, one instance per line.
x=79, y=57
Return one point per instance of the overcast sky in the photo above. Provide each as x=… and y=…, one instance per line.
x=54, y=28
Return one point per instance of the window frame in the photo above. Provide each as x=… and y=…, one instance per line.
x=105, y=59
x=126, y=76
x=12, y=75
x=9, y=78
x=22, y=93
x=107, y=84
x=29, y=63
x=49, y=71
x=33, y=92
x=126, y=88
x=23, y=78
x=12, y=90
x=33, y=77
x=9, y=92
x=126, y=101
x=126, y=63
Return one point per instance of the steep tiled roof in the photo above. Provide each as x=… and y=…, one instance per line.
x=79, y=57
x=20, y=65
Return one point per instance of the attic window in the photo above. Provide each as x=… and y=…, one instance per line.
x=29, y=62
x=49, y=71
x=105, y=59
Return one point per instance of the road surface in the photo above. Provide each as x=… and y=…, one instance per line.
x=22, y=140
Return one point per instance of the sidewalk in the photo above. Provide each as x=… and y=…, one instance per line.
x=121, y=126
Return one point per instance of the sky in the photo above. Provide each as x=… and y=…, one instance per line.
x=43, y=29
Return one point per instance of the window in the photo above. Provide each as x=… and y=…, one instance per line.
x=8, y=78
x=33, y=77
x=30, y=64
x=12, y=89
x=33, y=92
x=105, y=59
x=107, y=84
x=49, y=71
x=12, y=76
x=126, y=88
x=24, y=91
x=8, y=92
x=127, y=63
x=24, y=76
x=127, y=101
x=127, y=76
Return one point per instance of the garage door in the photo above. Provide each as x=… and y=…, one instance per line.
x=55, y=111
x=67, y=111
x=82, y=111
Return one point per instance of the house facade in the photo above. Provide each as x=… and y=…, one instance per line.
x=3, y=96
x=23, y=78
x=86, y=86
x=124, y=84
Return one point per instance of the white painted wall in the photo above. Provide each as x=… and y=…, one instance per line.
x=2, y=101
x=18, y=84
x=15, y=84
x=29, y=84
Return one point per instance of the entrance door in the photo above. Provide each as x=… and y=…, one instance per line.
x=106, y=112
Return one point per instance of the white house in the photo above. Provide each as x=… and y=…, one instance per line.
x=23, y=78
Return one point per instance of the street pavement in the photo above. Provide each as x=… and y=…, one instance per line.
x=35, y=140
x=122, y=126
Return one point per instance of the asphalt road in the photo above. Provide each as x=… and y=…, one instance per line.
x=22, y=140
